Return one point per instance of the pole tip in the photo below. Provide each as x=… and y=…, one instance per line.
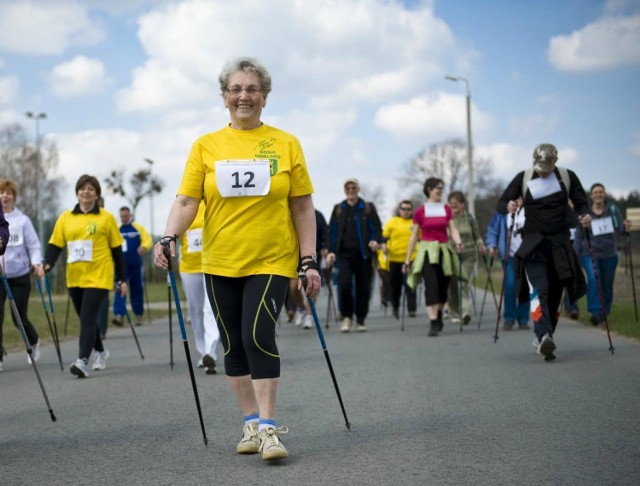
x=53, y=417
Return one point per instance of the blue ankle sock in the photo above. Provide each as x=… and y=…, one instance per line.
x=266, y=423
x=251, y=418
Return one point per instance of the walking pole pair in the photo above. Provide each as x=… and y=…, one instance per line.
x=331, y=303
x=489, y=267
x=633, y=282
x=183, y=332
x=53, y=328
x=16, y=315
x=326, y=352
x=594, y=267
x=66, y=315
x=504, y=273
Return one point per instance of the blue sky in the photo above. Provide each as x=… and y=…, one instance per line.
x=360, y=83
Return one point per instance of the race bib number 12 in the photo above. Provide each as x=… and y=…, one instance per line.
x=237, y=178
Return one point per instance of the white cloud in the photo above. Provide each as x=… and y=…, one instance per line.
x=78, y=77
x=431, y=118
x=34, y=27
x=348, y=51
x=9, y=86
x=608, y=43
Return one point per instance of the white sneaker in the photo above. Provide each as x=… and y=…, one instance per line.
x=0, y=365
x=299, y=317
x=35, y=352
x=346, y=325
x=308, y=322
x=79, y=368
x=100, y=361
x=250, y=442
x=535, y=342
x=270, y=445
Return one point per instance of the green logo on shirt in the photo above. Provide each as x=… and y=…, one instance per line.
x=92, y=228
x=274, y=166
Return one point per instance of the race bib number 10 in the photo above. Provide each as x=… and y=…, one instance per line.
x=237, y=178
x=80, y=251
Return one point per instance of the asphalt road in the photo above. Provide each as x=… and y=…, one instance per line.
x=452, y=410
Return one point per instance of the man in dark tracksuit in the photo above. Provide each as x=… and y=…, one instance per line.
x=354, y=234
x=137, y=242
x=546, y=257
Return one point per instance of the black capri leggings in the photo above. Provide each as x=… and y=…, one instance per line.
x=20, y=289
x=87, y=303
x=246, y=310
x=436, y=283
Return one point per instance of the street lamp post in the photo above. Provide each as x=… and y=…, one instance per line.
x=150, y=162
x=471, y=190
x=36, y=117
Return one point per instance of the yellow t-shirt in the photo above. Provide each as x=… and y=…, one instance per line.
x=383, y=261
x=251, y=234
x=89, y=239
x=398, y=233
x=191, y=245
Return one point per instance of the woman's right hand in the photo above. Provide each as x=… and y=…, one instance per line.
x=405, y=267
x=159, y=258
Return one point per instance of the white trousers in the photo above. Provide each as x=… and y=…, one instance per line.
x=203, y=323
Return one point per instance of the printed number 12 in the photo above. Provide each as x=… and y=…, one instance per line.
x=247, y=183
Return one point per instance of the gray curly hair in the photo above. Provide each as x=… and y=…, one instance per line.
x=248, y=65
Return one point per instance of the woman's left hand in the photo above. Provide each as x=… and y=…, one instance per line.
x=312, y=278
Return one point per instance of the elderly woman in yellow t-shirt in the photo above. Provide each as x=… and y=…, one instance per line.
x=259, y=222
x=94, y=243
x=203, y=323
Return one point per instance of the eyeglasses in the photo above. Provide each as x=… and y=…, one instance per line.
x=440, y=187
x=405, y=209
x=250, y=90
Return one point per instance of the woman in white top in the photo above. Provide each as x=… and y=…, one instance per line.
x=23, y=255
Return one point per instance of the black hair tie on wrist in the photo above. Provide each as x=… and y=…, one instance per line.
x=165, y=240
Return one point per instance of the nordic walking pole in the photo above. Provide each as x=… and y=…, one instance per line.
x=460, y=289
x=594, y=267
x=489, y=266
x=171, y=362
x=16, y=315
x=183, y=332
x=54, y=335
x=66, y=318
x=332, y=301
x=504, y=273
x=135, y=336
x=326, y=355
x=146, y=298
x=53, y=314
x=404, y=301
x=633, y=282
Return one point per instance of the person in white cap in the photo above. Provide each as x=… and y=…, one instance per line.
x=355, y=232
x=546, y=256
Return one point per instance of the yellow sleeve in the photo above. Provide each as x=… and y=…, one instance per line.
x=192, y=183
x=57, y=236
x=145, y=238
x=300, y=180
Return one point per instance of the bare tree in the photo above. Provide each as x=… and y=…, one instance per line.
x=447, y=161
x=141, y=184
x=373, y=195
x=18, y=162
